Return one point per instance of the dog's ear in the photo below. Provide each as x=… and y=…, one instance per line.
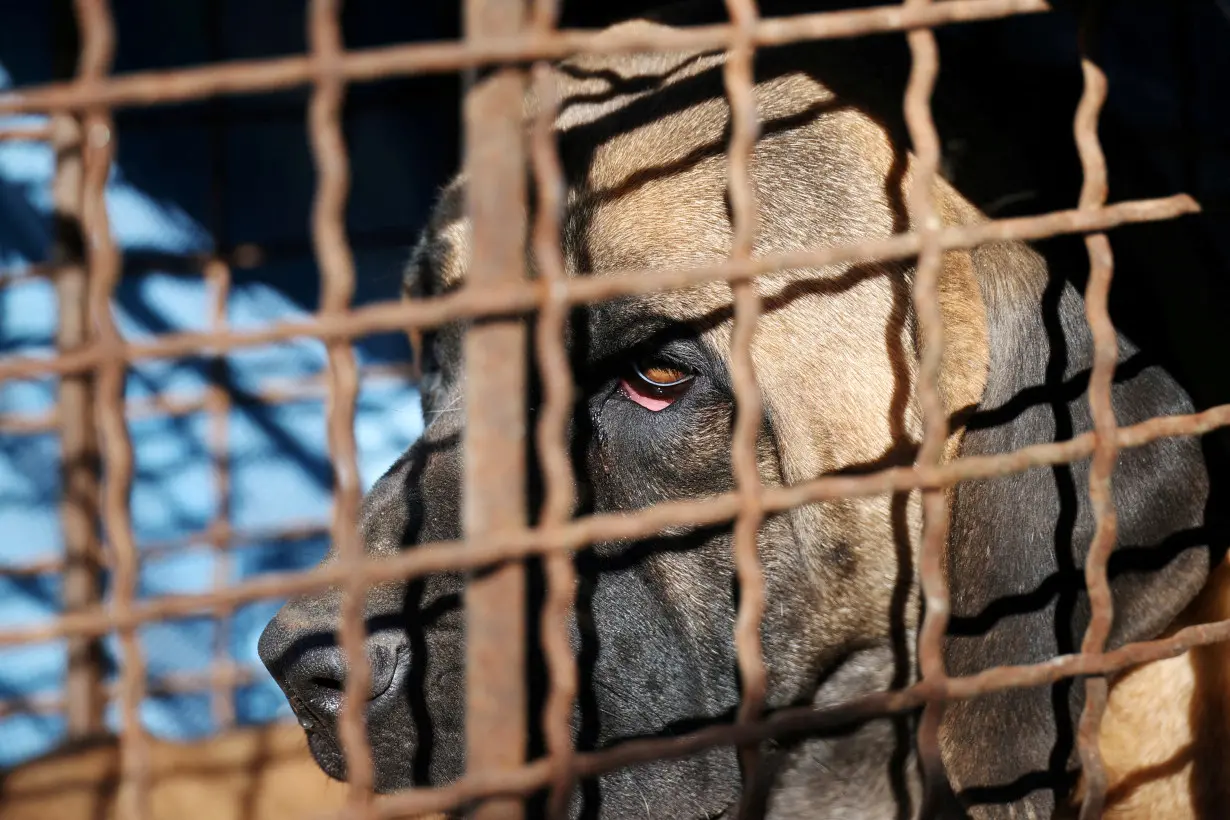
x=1018, y=544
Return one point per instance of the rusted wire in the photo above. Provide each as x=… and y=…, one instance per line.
x=219, y=535
x=103, y=259
x=27, y=133
x=218, y=278
x=738, y=77
x=553, y=422
x=80, y=471
x=273, y=392
x=494, y=488
x=249, y=76
x=243, y=255
x=511, y=298
x=337, y=289
x=1105, y=450
x=223, y=675
x=925, y=218
x=218, y=404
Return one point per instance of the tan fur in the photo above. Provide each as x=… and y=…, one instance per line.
x=967, y=357
x=1166, y=732
x=657, y=192
x=261, y=773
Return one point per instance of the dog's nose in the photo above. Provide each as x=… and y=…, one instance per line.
x=311, y=667
x=322, y=670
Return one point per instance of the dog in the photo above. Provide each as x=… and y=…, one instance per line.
x=642, y=139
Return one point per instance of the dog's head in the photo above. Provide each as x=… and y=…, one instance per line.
x=643, y=141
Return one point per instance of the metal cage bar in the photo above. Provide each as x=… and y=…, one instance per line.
x=279, y=391
x=925, y=219
x=79, y=458
x=1105, y=449
x=494, y=484
x=553, y=423
x=248, y=76
x=738, y=79
x=221, y=677
x=218, y=405
x=217, y=400
x=337, y=289
x=97, y=29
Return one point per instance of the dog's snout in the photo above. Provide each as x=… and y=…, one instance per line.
x=311, y=665
x=413, y=647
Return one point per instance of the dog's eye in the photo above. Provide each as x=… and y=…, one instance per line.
x=655, y=384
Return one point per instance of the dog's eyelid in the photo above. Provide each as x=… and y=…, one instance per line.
x=680, y=353
x=657, y=363
x=620, y=330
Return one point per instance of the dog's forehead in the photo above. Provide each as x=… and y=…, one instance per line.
x=643, y=140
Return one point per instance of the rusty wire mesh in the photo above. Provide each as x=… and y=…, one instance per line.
x=512, y=35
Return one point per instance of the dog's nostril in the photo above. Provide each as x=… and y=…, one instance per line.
x=328, y=683
x=319, y=677
x=314, y=683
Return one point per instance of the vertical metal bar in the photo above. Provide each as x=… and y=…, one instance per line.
x=79, y=468
x=553, y=421
x=926, y=220
x=494, y=495
x=97, y=53
x=738, y=77
x=80, y=474
x=337, y=289
x=218, y=395
x=1105, y=451
x=218, y=406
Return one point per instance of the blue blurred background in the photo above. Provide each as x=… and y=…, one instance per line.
x=234, y=177
x=192, y=180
